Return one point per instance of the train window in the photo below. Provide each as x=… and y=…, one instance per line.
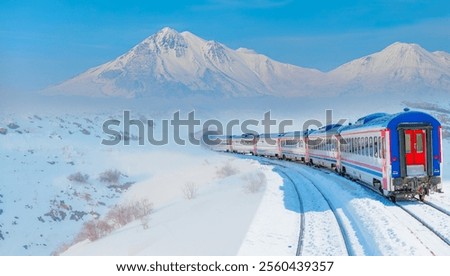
x=383, y=148
x=290, y=142
x=419, y=142
x=375, y=147
x=361, y=145
x=371, y=146
x=366, y=146
x=353, y=145
x=407, y=143
x=363, y=148
x=379, y=146
x=358, y=145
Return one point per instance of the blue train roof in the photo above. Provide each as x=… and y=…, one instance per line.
x=293, y=134
x=326, y=130
x=391, y=121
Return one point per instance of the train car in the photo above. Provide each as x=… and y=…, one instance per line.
x=322, y=146
x=245, y=143
x=268, y=144
x=398, y=155
x=222, y=143
x=292, y=146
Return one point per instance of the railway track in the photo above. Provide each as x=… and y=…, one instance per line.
x=439, y=230
x=420, y=211
x=343, y=231
x=437, y=207
x=339, y=219
x=301, y=234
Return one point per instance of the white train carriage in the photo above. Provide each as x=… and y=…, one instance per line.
x=363, y=151
x=245, y=143
x=267, y=144
x=222, y=143
x=292, y=146
x=323, y=148
x=398, y=155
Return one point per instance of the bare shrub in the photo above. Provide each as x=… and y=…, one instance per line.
x=120, y=215
x=110, y=176
x=226, y=171
x=104, y=228
x=90, y=231
x=190, y=190
x=254, y=183
x=93, y=230
x=142, y=208
x=145, y=220
x=60, y=249
x=78, y=177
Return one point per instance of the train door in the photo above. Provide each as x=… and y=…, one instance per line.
x=415, y=152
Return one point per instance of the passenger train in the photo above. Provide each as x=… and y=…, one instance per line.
x=398, y=155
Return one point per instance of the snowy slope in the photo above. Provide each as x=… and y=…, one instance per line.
x=169, y=62
x=240, y=206
x=42, y=211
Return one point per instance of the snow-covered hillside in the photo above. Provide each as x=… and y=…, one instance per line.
x=172, y=63
x=61, y=191
x=56, y=176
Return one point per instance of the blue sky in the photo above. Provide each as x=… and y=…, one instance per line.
x=45, y=42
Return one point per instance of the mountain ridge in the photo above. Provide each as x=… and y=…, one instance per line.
x=169, y=62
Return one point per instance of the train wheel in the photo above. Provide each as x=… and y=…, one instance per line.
x=393, y=199
x=422, y=197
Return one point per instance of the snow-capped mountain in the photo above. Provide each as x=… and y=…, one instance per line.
x=170, y=62
x=399, y=68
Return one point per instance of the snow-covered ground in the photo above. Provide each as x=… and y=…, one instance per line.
x=204, y=203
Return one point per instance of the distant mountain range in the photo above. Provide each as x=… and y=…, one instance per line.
x=175, y=63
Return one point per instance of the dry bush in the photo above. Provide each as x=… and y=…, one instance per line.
x=142, y=208
x=117, y=217
x=121, y=215
x=226, y=171
x=104, y=228
x=254, y=183
x=61, y=249
x=145, y=221
x=78, y=177
x=90, y=231
x=110, y=176
x=190, y=190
